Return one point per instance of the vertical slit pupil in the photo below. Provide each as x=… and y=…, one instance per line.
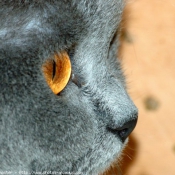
x=54, y=69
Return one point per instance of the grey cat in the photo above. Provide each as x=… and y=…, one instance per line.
x=85, y=127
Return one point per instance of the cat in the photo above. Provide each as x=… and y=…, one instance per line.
x=83, y=128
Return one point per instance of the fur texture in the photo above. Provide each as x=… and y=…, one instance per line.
x=40, y=131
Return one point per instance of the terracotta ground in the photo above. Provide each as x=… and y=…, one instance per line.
x=148, y=55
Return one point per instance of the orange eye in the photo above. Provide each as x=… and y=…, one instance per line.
x=57, y=72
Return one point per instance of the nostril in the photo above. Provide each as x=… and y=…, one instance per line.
x=124, y=131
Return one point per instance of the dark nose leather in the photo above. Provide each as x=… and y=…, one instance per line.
x=125, y=130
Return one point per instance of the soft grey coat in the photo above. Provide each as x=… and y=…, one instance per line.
x=81, y=129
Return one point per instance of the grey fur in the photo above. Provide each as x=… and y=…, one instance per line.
x=40, y=131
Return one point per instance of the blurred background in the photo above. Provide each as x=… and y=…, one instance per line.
x=147, y=52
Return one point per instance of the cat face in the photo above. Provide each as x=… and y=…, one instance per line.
x=83, y=124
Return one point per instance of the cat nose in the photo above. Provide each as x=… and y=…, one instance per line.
x=124, y=130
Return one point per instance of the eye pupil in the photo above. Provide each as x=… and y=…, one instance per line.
x=54, y=70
